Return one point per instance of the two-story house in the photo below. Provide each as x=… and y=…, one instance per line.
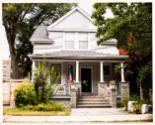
x=70, y=45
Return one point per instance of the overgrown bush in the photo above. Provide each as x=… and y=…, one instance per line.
x=45, y=107
x=43, y=80
x=25, y=95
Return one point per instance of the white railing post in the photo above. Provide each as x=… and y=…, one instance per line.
x=122, y=72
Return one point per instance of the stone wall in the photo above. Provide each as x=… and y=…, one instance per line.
x=65, y=102
x=124, y=90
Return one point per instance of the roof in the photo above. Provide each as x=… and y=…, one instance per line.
x=78, y=54
x=68, y=14
x=110, y=42
x=40, y=35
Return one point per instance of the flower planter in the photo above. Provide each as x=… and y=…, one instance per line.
x=145, y=109
x=112, y=86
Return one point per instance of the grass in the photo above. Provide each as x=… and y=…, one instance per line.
x=21, y=112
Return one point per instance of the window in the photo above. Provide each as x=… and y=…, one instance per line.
x=83, y=41
x=69, y=40
x=83, y=44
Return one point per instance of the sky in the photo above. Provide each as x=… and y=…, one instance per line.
x=86, y=6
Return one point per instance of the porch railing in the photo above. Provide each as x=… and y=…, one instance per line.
x=61, y=89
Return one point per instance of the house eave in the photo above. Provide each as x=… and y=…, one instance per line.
x=120, y=58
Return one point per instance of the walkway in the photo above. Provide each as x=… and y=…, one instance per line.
x=84, y=115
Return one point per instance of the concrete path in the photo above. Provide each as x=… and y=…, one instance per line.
x=84, y=115
x=98, y=111
x=106, y=118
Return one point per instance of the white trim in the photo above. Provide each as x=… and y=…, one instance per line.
x=69, y=13
x=72, y=60
x=88, y=67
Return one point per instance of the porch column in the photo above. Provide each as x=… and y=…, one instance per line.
x=33, y=69
x=77, y=71
x=122, y=72
x=101, y=72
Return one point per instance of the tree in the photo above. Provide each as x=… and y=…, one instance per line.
x=43, y=81
x=20, y=20
x=132, y=27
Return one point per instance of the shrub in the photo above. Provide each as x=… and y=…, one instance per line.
x=43, y=80
x=124, y=103
x=25, y=95
x=137, y=108
x=45, y=107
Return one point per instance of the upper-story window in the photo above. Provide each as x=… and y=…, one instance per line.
x=83, y=41
x=69, y=40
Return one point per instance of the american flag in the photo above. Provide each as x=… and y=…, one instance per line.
x=69, y=80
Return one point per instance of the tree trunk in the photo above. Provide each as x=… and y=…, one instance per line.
x=15, y=74
x=141, y=92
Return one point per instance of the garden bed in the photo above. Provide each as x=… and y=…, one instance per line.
x=22, y=112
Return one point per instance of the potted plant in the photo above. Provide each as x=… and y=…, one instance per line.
x=73, y=85
x=112, y=84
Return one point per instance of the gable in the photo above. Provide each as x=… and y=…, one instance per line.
x=75, y=19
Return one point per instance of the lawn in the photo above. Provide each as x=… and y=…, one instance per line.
x=21, y=112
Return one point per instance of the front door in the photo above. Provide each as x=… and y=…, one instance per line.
x=86, y=79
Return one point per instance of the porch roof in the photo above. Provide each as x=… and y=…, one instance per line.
x=72, y=54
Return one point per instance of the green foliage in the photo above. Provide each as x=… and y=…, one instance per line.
x=20, y=20
x=124, y=103
x=45, y=107
x=112, y=82
x=43, y=81
x=132, y=27
x=137, y=108
x=133, y=97
x=25, y=95
x=73, y=82
x=145, y=76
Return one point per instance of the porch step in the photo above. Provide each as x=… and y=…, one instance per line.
x=92, y=101
x=92, y=97
x=93, y=106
